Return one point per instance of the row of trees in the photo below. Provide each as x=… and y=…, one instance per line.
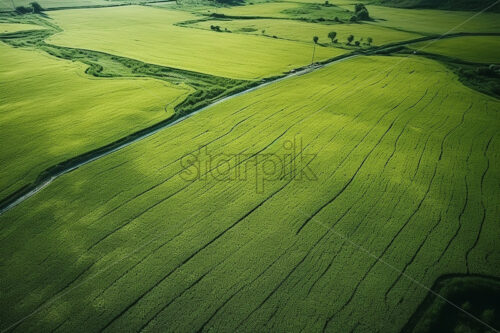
x=333, y=36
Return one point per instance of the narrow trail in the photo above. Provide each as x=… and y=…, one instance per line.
x=51, y=174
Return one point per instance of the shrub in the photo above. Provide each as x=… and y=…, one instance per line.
x=353, y=18
x=361, y=12
x=37, y=9
x=23, y=10
x=369, y=40
x=356, y=43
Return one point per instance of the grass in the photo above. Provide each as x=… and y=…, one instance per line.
x=51, y=111
x=266, y=9
x=123, y=31
x=125, y=243
x=303, y=31
x=16, y=27
x=291, y=10
x=481, y=49
x=429, y=21
x=7, y=4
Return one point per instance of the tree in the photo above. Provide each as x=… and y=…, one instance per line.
x=37, y=9
x=332, y=35
x=23, y=10
x=369, y=40
x=356, y=43
x=350, y=39
x=315, y=40
x=361, y=12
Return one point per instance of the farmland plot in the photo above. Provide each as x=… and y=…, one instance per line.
x=430, y=21
x=304, y=31
x=130, y=243
x=149, y=34
x=51, y=111
x=483, y=49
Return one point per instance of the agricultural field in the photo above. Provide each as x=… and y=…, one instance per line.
x=304, y=31
x=16, y=27
x=123, y=31
x=431, y=21
x=257, y=166
x=280, y=258
x=6, y=5
x=482, y=49
x=9, y=4
x=79, y=113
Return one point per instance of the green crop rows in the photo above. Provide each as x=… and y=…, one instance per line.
x=328, y=201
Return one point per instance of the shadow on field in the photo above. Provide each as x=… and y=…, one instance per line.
x=477, y=295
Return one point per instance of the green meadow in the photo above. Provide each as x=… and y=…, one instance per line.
x=482, y=49
x=114, y=253
x=64, y=112
x=149, y=35
x=8, y=4
x=201, y=166
x=16, y=27
x=431, y=21
x=304, y=31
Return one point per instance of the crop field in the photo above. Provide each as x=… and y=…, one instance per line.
x=484, y=49
x=123, y=31
x=248, y=166
x=303, y=31
x=79, y=113
x=265, y=9
x=282, y=258
x=15, y=27
x=428, y=21
x=57, y=4
x=8, y=4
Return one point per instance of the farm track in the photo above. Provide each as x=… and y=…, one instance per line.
x=52, y=173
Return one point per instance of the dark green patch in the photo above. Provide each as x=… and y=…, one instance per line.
x=478, y=296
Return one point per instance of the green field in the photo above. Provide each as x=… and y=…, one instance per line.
x=15, y=27
x=65, y=112
x=266, y=9
x=190, y=166
x=115, y=253
x=475, y=49
x=7, y=4
x=303, y=31
x=429, y=21
x=149, y=35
